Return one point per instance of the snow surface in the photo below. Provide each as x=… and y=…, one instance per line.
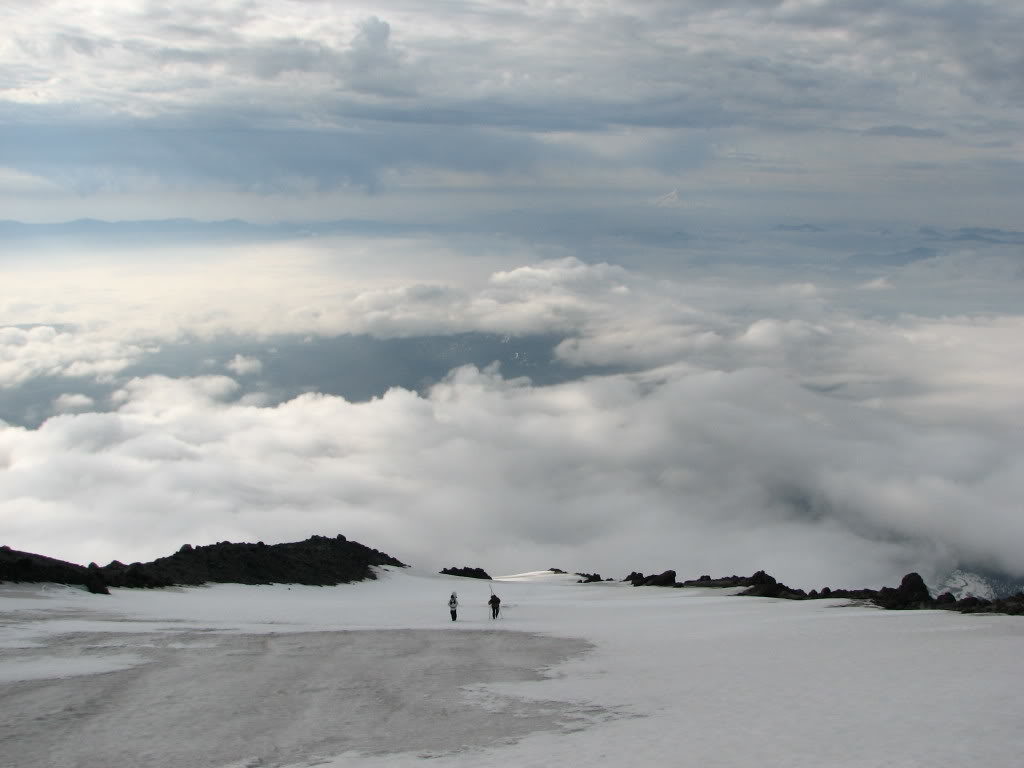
x=376, y=674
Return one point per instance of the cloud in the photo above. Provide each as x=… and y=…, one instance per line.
x=904, y=132
x=73, y=402
x=704, y=471
x=723, y=419
x=212, y=104
x=746, y=377
x=42, y=350
x=242, y=365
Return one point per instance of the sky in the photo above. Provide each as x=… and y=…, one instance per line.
x=711, y=286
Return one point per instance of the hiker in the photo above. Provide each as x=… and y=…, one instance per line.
x=494, y=602
x=453, y=605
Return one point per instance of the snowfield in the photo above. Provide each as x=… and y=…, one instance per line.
x=375, y=674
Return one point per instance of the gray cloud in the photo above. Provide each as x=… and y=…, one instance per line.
x=214, y=94
x=904, y=131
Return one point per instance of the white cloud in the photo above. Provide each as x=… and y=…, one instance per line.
x=73, y=402
x=878, y=284
x=18, y=182
x=42, y=350
x=702, y=471
x=243, y=365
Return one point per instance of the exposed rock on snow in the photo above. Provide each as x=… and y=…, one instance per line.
x=25, y=566
x=663, y=579
x=911, y=593
x=466, y=572
x=318, y=560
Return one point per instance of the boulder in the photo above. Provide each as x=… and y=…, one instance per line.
x=911, y=593
x=663, y=579
x=635, y=578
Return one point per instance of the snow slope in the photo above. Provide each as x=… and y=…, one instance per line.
x=375, y=674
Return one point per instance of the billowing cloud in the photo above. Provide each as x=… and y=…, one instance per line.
x=702, y=471
x=42, y=350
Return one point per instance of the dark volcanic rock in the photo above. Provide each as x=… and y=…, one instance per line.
x=911, y=593
x=774, y=589
x=588, y=578
x=729, y=581
x=971, y=603
x=25, y=566
x=467, y=572
x=850, y=594
x=318, y=560
x=1013, y=605
x=663, y=579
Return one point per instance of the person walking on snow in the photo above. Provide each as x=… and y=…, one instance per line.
x=453, y=605
x=495, y=603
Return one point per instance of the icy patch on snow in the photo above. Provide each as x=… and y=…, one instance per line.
x=50, y=667
x=279, y=698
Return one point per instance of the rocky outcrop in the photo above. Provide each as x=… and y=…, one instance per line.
x=663, y=579
x=729, y=581
x=319, y=560
x=1013, y=605
x=911, y=593
x=767, y=586
x=24, y=566
x=466, y=572
x=588, y=578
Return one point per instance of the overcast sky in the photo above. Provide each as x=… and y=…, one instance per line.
x=712, y=286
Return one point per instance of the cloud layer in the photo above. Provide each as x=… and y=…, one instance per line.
x=211, y=109
x=771, y=247
x=718, y=424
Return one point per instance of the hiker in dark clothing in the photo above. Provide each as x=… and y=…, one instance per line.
x=453, y=605
x=495, y=603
